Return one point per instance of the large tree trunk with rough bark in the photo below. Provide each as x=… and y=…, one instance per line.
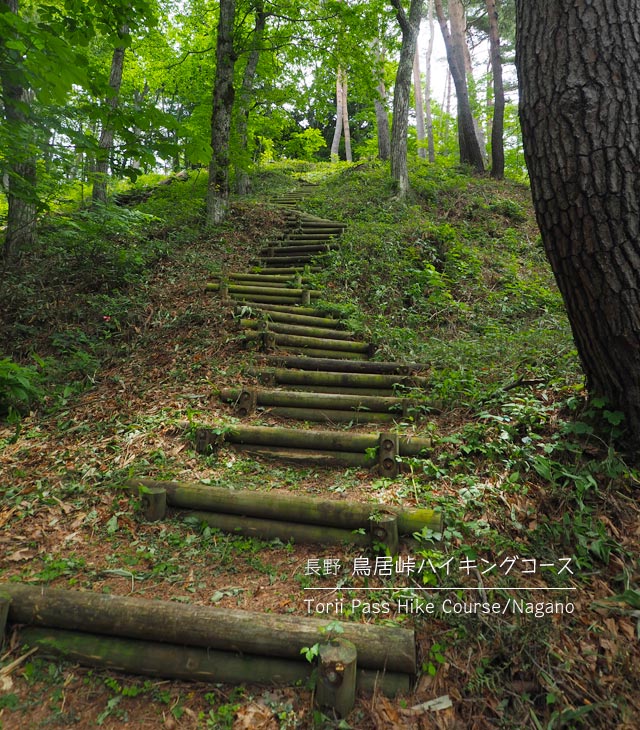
x=470, y=151
x=410, y=25
x=20, y=186
x=242, y=114
x=223, y=98
x=105, y=143
x=579, y=74
x=497, y=126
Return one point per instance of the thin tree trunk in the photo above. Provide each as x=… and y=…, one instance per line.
x=223, y=98
x=417, y=92
x=335, y=144
x=579, y=73
x=497, y=126
x=470, y=151
x=382, y=117
x=242, y=116
x=427, y=86
x=105, y=144
x=21, y=179
x=345, y=120
x=410, y=25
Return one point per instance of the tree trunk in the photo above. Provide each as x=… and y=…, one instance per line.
x=470, y=152
x=382, y=116
x=223, y=98
x=427, y=86
x=335, y=144
x=21, y=179
x=410, y=25
x=579, y=72
x=417, y=92
x=105, y=144
x=497, y=125
x=345, y=120
x=242, y=115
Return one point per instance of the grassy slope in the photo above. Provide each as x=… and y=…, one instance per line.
x=454, y=277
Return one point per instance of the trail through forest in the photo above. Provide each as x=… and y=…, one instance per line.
x=68, y=523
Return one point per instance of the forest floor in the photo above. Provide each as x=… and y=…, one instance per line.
x=517, y=473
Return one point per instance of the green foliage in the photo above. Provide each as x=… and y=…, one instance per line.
x=19, y=388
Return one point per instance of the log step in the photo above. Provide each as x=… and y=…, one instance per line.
x=318, y=343
x=207, y=627
x=260, y=278
x=382, y=392
x=295, y=438
x=305, y=311
x=269, y=316
x=310, y=456
x=302, y=250
x=287, y=328
x=277, y=260
x=390, y=368
x=285, y=270
x=269, y=290
x=284, y=506
x=283, y=376
x=298, y=399
x=313, y=352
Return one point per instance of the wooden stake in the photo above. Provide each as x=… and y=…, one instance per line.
x=336, y=686
x=389, y=450
x=154, y=503
x=384, y=531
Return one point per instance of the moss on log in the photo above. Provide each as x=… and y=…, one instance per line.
x=278, y=530
x=381, y=368
x=317, y=440
x=153, y=659
x=310, y=456
x=298, y=399
x=340, y=379
x=347, y=515
x=208, y=627
x=292, y=328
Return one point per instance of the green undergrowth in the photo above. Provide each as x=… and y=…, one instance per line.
x=453, y=274
x=453, y=277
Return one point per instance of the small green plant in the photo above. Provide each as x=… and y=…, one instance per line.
x=19, y=388
x=329, y=632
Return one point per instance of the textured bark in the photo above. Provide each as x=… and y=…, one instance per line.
x=470, y=152
x=382, y=116
x=335, y=144
x=242, y=116
x=21, y=185
x=223, y=98
x=417, y=92
x=497, y=126
x=345, y=120
x=105, y=144
x=579, y=72
x=427, y=86
x=410, y=25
